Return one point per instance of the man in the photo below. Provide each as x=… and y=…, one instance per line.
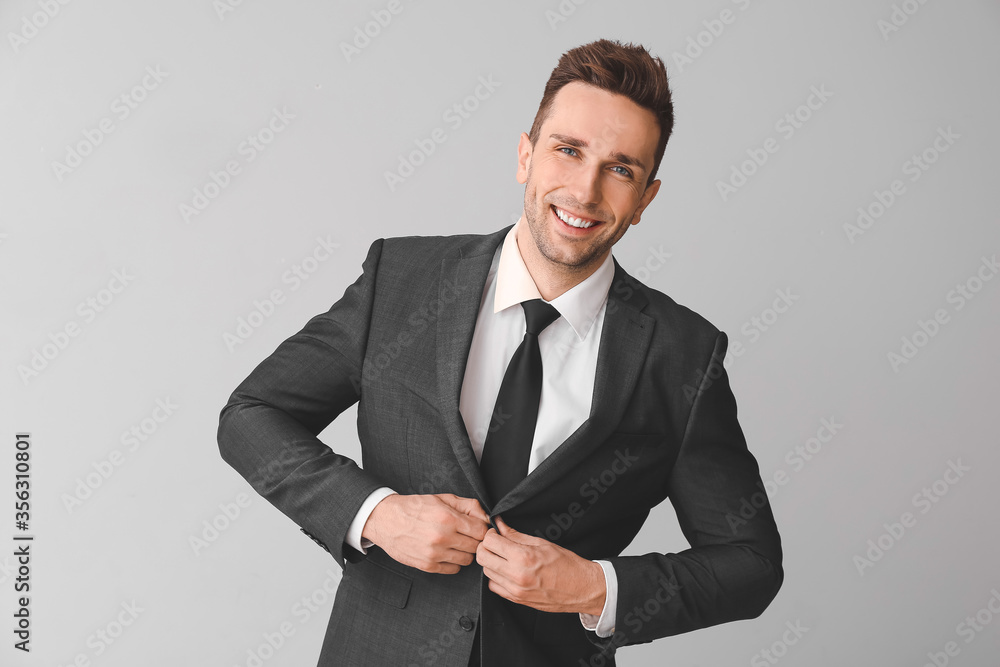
x=461, y=543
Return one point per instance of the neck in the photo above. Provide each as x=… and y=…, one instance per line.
x=551, y=279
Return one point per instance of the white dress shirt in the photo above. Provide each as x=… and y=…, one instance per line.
x=569, y=348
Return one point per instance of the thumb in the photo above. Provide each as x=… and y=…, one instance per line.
x=516, y=536
x=508, y=532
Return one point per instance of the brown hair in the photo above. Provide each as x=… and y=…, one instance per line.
x=624, y=69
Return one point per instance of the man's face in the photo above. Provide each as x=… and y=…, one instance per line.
x=590, y=165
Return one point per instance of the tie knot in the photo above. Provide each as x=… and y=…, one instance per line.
x=538, y=315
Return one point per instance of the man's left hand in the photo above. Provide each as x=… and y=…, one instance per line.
x=537, y=573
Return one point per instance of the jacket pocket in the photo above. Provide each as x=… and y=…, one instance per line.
x=378, y=581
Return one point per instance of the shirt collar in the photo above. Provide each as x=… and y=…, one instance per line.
x=578, y=305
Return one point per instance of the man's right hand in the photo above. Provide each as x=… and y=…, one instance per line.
x=434, y=533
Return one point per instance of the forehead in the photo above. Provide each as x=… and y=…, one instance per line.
x=606, y=121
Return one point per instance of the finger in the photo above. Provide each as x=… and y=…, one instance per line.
x=473, y=528
x=440, y=537
x=503, y=528
x=491, y=562
x=495, y=543
x=432, y=565
x=466, y=506
x=445, y=561
x=463, y=518
x=460, y=558
x=516, y=536
x=507, y=545
x=497, y=578
x=477, y=511
x=463, y=543
x=444, y=568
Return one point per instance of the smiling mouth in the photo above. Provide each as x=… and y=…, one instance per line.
x=572, y=220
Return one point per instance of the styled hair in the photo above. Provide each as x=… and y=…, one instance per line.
x=623, y=69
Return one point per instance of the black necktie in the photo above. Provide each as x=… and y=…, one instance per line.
x=512, y=426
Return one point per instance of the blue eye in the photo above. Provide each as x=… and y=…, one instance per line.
x=567, y=150
x=624, y=171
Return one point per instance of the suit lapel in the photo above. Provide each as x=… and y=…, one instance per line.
x=624, y=343
x=461, y=289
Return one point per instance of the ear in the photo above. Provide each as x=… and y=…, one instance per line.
x=523, y=158
x=647, y=197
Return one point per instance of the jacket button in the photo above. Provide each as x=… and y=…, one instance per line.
x=466, y=623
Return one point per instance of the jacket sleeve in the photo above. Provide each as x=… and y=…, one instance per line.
x=268, y=429
x=733, y=569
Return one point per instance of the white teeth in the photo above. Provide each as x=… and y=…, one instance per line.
x=570, y=220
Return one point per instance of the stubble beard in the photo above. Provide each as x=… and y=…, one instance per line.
x=540, y=228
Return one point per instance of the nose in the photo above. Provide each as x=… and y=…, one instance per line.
x=586, y=186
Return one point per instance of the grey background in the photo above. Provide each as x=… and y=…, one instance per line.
x=162, y=337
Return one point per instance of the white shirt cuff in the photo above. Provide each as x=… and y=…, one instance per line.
x=604, y=625
x=354, y=538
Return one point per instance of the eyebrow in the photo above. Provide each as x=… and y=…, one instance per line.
x=618, y=156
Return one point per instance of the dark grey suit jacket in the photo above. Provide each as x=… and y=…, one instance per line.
x=663, y=424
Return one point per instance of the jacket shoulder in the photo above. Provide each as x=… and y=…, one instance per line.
x=423, y=249
x=685, y=316
x=662, y=308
